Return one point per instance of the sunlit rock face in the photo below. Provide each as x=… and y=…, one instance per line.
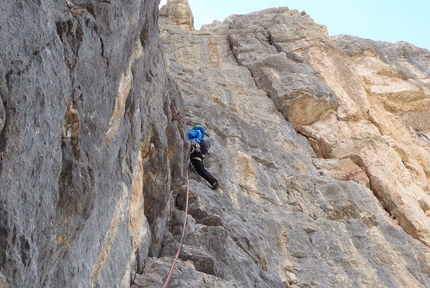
x=322, y=151
x=321, y=146
x=179, y=12
x=390, y=143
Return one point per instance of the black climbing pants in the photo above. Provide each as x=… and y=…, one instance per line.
x=201, y=170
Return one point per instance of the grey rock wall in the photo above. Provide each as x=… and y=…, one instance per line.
x=91, y=134
x=257, y=82
x=96, y=100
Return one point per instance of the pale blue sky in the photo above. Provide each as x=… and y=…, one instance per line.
x=382, y=20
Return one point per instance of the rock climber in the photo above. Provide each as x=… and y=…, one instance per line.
x=197, y=162
x=197, y=135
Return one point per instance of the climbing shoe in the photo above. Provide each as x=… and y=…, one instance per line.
x=215, y=185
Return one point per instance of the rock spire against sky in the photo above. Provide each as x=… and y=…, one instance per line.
x=382, y=20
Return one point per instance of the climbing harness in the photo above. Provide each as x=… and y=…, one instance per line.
x=182, y=237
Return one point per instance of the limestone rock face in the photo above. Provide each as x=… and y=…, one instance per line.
x=91, y=136
x=321, y=148
x=179, y=13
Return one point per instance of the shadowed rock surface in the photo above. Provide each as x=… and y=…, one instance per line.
x=92, y=136
x=321, y=146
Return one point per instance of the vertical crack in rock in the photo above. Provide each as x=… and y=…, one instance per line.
x=76, y=181
x=25, y=250
x=2, y=115
x=144, y=34
x=4, y=234
x=71, y=34
x=102, y=53
x=3, y=138
x=272, y=42
x=76, y=192
x=301, y=103
x=235, y=53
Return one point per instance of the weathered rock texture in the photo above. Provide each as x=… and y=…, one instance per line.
x=321, y=146
x=92, y=139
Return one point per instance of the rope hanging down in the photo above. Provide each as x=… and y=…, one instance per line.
x=182, y=237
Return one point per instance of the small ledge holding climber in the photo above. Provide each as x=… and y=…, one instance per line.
x=200, y=146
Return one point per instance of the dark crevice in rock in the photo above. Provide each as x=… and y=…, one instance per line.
x=233, y=51
x=71, y=34
x=375, y=123
x=76, y=184
x=304, y=135
x=75, y=202
x=372, y=186
x=91, y=9
x=359, y=162
x=62, y=27
x=239, y=63
x=290, y=55
x=8, y=80
x=102, y=46
x=144, y=34
x=4, y=235
x=272, y=43
x=294, y=57
x=25, y=251
x=204, y=218
x=202, y=262
x=423, y=136
x=3, y=124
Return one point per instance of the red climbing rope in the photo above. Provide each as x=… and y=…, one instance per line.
x=182, y=237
